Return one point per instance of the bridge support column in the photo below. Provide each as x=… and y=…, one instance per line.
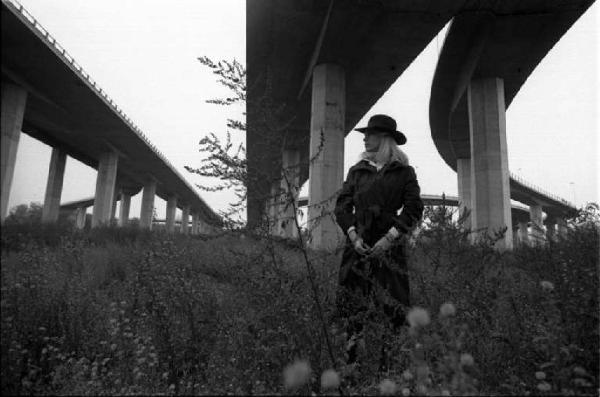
x=113, y=210
x=124, y=209
x=13, y=103
x=147, y=210
x=272, y=208
x=562, y=229
x=326, y=170
x=80, y=217
x=185, y=219
x=105, y=189
x=56, y=173
x=195, y=218
x=290, y=186
x=523, y=233
x=550, y=228
x=171, y=210
x=490, y=190
x=463, y=171
x=537, y=229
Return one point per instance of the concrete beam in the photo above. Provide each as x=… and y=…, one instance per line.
x=105, y=189
x=56, y=173
x=326, y=169
x=463, y=172
x=13, y=103
x=185, y=219
x=490, y=190
x=171, y=210
x=147, y=211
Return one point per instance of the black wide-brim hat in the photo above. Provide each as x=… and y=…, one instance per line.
x=384, y=124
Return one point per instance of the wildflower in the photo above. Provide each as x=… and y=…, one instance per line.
x=406, y=392
x=330, y=379
x=407, y=375
x=445, y=393
x=418, y=317
x=466, y=359
x=540, y=375
x=447, y=309
x=544, y=386
x=547, y=285
x=579, y=371
x=296, y=374
x=387, y=387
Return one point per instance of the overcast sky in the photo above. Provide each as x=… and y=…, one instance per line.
x=143, y=54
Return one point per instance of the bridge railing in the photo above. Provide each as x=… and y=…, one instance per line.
x=540, y=190
x=78, y=69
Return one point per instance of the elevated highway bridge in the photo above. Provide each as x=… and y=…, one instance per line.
x=315, y=68
x=48, y=96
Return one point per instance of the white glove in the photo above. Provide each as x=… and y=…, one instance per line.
x=357, y=242
x=385, y=243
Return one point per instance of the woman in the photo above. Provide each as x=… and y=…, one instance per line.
x=374, y=262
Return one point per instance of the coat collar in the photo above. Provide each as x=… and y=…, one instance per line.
x=365, y=165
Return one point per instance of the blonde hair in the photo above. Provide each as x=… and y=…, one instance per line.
x=388, y=151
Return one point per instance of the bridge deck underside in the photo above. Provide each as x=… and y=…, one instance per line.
x=503, y=39
x=63, y=110
x=374, y=42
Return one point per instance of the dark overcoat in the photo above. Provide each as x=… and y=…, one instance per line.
x=370, y=200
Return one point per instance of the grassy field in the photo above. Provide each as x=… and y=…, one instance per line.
x=121, y=311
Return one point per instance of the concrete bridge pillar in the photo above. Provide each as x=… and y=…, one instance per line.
x=124, y=209
x=550, y=228
x=523, y=233
x=113, y=210
x=54, y=186
x=562, y=228
x=272, y=207
x=290, y=186
x=80, y=217
x=326, y=170
x=105, y=189
x=185, y=219
x=490, y=190
x=537, y=228
x=170, y=217
x=463, y=171
x=195, y=218
x=13, y=103
x=146, y=212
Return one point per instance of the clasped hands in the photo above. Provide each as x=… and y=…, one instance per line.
x=381, y=246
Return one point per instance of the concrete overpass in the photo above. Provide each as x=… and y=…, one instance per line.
x=47, y=95
x=315, y=68
x=487, y=55
x=78, y=208
x=524, y=231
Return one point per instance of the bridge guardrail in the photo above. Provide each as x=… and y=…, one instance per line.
x=93, y=84
x=537, y=189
